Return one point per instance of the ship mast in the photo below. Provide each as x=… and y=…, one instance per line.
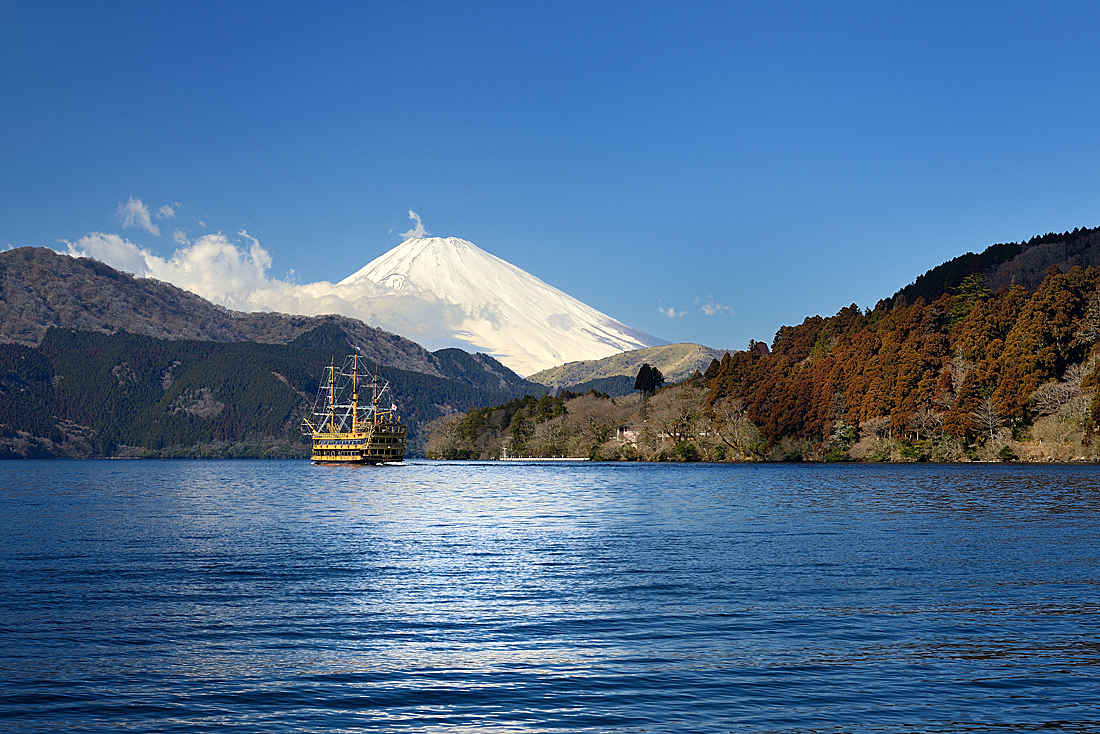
x=354, y=391
x=375, y=412
x=332, y=396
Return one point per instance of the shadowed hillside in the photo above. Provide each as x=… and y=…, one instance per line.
x=88, y=394
x=40, y=288
x=1015, y=263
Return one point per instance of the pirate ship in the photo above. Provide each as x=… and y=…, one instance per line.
x=348, y=429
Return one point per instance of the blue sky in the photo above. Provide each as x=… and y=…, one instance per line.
x=770, y=160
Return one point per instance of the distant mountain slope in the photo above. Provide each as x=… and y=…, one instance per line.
x=40, y=288
x=482, y=371
x=615, y=387
x=498, y=307
x=676, y=362
x=478, y=370
x=1024, y=263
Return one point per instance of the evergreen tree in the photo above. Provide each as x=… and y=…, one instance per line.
x=657, y=378
x=649, y=379
x=642, y=381
x=972, y=288
x=712, y=370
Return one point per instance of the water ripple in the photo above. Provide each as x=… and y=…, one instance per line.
x=277, y=596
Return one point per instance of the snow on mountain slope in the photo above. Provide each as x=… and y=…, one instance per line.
x=505, y=311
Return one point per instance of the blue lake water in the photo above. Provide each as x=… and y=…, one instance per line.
x=280, y=596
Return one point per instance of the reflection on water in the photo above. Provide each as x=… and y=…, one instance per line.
x=282, y=596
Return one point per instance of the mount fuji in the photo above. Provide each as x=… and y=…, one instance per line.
x=496, y=307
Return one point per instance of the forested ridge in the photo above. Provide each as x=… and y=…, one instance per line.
x=85, y=394
x=973, y=374
x=1012, y=263
x=972, y=365
x=40, y=288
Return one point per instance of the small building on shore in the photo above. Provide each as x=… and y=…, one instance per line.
x=627, y=433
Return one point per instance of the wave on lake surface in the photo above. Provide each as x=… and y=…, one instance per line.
x=280, y=596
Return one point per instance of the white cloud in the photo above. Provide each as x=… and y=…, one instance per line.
x=419, y=231
x=714, y=309
x=671, y=312
x=117, y=252
x=136, y=214
x=180, y=237
x=235, y=275
x=166, y=212
x=212, y=266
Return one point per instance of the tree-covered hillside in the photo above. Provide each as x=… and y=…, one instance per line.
x=616, y=386
x=972, y=368
x=40, y=288
x=975, y=374
x=85, y=393
x=1013, y=263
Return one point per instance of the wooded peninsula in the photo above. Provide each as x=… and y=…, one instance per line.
x=971, y=374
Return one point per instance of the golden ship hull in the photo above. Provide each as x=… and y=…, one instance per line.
x=382, y=443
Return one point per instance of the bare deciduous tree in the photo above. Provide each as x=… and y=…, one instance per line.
x=1089, y=331
x=592, y=419
x=676, y=412
x=549, y=439
x=876, y=427
x=443, y=434
x=927, y=423
x=1049, y=398
x=729, y=421
x=987, y=417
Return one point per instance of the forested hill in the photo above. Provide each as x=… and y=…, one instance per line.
x=973, y=375
x=40, y=288
x=476, y=370
x=1013, y=263
x=87, y=394
x=969, y=369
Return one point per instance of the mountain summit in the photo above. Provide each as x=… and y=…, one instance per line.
x=498, y=307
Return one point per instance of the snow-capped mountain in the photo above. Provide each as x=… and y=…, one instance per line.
x=498, y=308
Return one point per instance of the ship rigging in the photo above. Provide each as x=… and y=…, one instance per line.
x=347, y=430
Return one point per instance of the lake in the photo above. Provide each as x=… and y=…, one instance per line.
x=280, y=596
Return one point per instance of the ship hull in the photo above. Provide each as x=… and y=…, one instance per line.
x=380, y=444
